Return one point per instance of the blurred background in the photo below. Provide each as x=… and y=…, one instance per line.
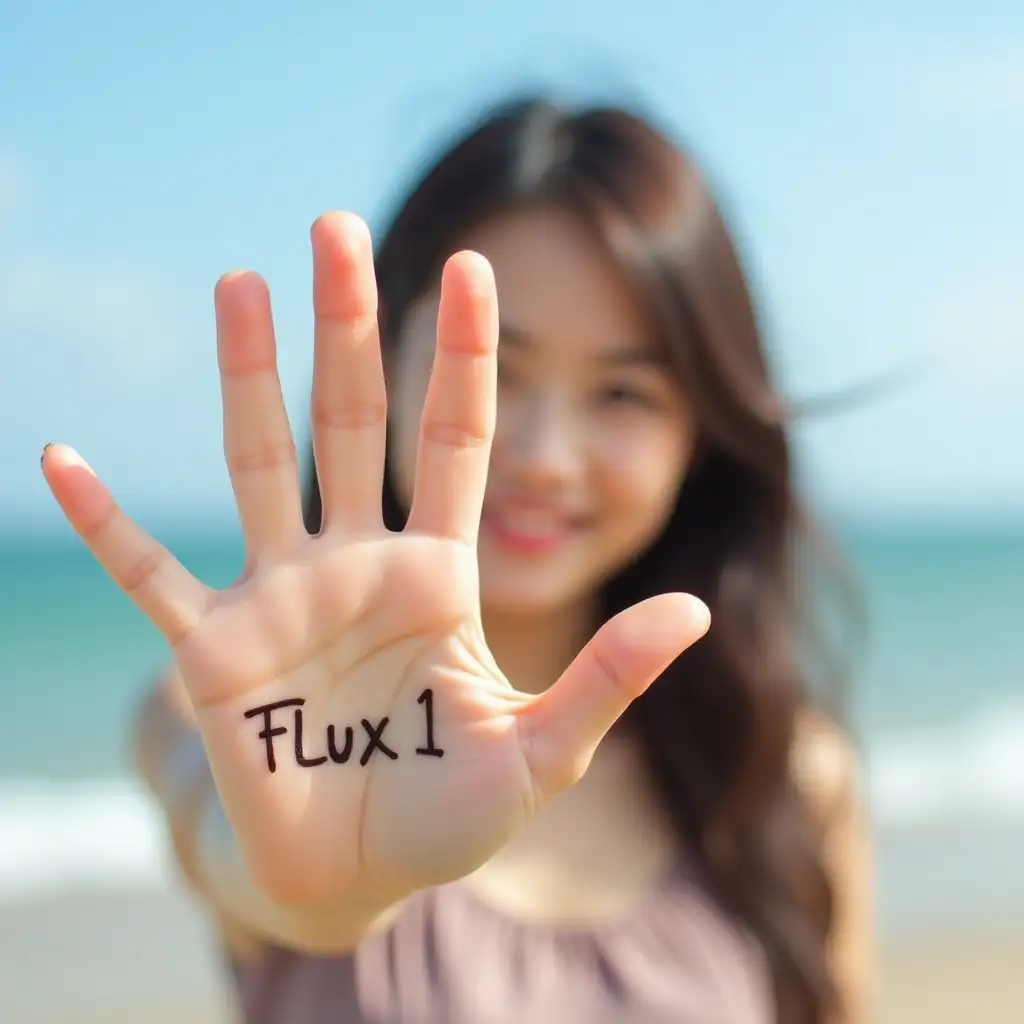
x=871, y=157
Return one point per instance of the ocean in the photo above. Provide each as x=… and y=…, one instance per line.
x=938, y=702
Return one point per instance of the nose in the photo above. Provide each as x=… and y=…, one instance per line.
x=539, y=442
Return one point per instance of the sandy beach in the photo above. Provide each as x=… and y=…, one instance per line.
x=149, y=958
x=954, y=980
x=95, y=957
x=92, y=933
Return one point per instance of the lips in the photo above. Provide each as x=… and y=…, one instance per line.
x=529, y=528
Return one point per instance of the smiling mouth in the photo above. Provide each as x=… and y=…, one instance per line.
x=529, y=531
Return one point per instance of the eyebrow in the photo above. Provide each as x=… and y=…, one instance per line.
x=632, y=355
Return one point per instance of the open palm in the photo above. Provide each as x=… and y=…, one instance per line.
x=358, y=729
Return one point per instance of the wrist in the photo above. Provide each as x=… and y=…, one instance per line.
x=331, y=927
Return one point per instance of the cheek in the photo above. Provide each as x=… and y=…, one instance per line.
x=408, y=375
x=641, y=473
x=405, y=406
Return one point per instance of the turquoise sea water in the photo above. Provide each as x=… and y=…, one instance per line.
x=939, y=699
x=946, y=615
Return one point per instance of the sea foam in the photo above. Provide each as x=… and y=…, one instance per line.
x=109, y=833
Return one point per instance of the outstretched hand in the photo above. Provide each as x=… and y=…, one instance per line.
x=359, y=731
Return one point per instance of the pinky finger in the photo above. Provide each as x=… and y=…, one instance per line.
x=172, y=598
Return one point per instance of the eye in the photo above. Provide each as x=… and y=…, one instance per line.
x=628, y=394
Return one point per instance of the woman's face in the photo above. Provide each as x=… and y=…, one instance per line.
x=593, y=434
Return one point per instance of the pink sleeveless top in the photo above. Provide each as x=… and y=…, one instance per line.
x=449, y=958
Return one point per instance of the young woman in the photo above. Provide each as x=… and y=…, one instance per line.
x=467, y=755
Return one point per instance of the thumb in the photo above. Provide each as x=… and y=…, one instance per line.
x=562, y=727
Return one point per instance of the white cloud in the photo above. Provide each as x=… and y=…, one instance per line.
x=979, y=327
x=943, y=442
x=120, y=318
x=979, y=78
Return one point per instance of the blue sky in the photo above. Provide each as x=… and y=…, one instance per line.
x=871, y=156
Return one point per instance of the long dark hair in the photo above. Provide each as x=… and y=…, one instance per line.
x=719, y=727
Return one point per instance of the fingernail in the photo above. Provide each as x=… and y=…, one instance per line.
x=46, y=447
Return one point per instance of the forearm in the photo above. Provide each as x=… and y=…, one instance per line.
x=169, y=755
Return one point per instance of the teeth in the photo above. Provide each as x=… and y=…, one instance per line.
x=530, y=524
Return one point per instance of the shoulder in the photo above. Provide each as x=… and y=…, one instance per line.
x=827, y=768
x=826, y=765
